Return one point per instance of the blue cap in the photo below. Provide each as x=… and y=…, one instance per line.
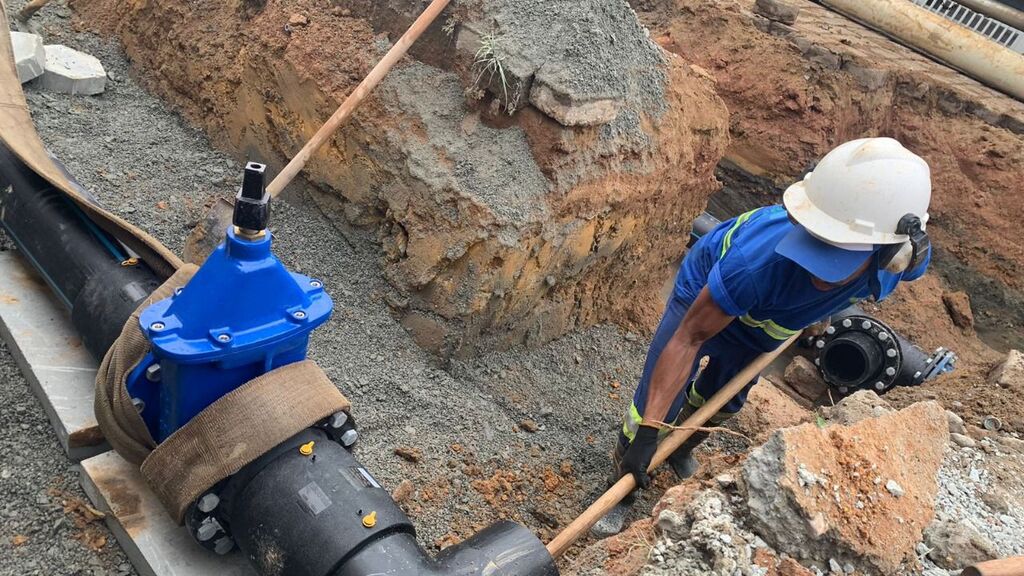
x=823, y=260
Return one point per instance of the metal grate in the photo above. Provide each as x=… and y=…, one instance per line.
x=993, y=29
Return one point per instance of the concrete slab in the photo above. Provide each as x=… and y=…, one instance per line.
x=29, y=55
x=69, y=71
x=155, y=545
x=60, y=371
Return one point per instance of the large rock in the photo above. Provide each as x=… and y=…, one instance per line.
x=768, y=409
x=1009, y=373
x=958, y=305
x=860, y=494
x=497, y=229
x=856, y=407
x=69, y=71
x=29, y=55
x=777, y=10
x=803, y=376
x=956, y=545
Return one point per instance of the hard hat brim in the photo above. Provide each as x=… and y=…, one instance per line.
x=823, y=260
x=822, y=225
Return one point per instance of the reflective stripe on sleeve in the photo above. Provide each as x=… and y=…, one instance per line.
x=727, y=241
x=771, y=328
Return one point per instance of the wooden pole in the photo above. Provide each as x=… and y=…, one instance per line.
x=1004, y=567
x=342, y=114
x=627, y=483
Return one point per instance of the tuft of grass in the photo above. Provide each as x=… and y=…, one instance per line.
x=491, y=64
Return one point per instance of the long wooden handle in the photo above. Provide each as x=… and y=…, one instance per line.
x=627, y=483
x=1005, y=567
x=357, y=96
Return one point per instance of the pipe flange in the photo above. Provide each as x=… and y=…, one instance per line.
x=205, y=522
x=845, y=353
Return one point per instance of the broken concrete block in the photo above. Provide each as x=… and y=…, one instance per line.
x=29, y=55
x=803, y=376
x=567, y=109
x=777, y=10
x=874, y=492
x=958, y=305
x=856, y=407
x=1009, y=374
x=69, y=71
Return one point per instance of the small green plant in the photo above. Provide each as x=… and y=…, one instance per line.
x=491, y=64
x=449, y=26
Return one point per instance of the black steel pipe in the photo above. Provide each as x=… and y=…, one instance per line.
x=91, y=273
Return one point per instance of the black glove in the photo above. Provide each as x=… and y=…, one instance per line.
x=638, y=456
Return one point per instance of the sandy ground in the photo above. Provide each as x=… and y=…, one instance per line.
x=478, y=463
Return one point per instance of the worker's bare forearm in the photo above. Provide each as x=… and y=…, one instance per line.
x=669, y=378
x=703, y=320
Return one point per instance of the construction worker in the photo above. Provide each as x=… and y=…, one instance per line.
x=850, y=230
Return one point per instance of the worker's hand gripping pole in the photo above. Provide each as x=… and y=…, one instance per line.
x=342, y=114
x=627, y=483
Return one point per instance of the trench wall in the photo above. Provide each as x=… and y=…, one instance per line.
x=511, y=207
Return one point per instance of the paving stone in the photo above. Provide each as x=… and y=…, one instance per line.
x=50, y=354
x=29, y=55
x=69, y=71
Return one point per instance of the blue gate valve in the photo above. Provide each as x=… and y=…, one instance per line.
x=243, y=314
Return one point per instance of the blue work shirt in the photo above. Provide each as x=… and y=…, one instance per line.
x=771, y=296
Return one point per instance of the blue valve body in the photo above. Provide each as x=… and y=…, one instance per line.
x=243, y=314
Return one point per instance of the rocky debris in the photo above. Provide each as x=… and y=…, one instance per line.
x=768, y=409
x=962, y=440
x=409, y=454
x=702, y=537
x=529, y=426
x=956, y=423
x=873, y=489
x=298, y=20
x=777, y=10
x=954, y=546
x=69, y=71
x=404, y=491
x=856, y=407
x=958, y=305
x=29, y=55
x=803, y=376
x=1010, y=373
x=980, y=498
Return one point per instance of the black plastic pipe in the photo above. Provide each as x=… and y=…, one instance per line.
x=323, y=514
x=294, y=514
x=91, y=273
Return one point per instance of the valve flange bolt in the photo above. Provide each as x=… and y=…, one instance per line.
x=299, y=315
x=224, y=338
x=316, y=284
x=153, y=373
x=157, y=326
x=349, y=438
x=338, y=419
x=208, y=503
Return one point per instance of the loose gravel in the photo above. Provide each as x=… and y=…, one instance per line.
x=480, y=461
x=37, y=484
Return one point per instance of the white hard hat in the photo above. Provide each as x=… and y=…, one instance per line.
x=858, y=193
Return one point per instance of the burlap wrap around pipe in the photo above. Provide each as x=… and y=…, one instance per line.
x=230, y=433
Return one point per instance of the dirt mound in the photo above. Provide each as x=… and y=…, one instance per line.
x=533, y=169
